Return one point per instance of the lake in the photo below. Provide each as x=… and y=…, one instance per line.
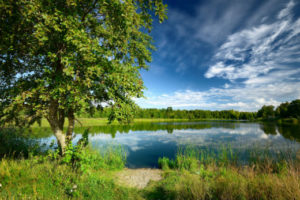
x=144, y=143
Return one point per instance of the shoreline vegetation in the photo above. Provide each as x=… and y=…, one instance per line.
x=60, y=61
x=27, y=172
x=86, y=174
x=288, y=111
x=90, y=121
x=285, y=113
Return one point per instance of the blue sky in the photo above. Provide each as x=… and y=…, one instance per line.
x=217, y=55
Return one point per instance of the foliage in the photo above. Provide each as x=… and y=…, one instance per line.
x=266, y=112
x=169, y=113
x=283, y=111
x=294, y=109
x=83, y=159
x=60, y=57
x=77, y=174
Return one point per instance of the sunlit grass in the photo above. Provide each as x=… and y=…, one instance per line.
x=43, y=177
x=85, y=122
x=196, y=174
x=193, y=174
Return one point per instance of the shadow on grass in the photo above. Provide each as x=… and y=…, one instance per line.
x=159, y=193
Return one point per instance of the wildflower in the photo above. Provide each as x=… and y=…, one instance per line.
x=74, y=187
x=0, y=185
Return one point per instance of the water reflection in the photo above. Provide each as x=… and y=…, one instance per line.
x=146, y=142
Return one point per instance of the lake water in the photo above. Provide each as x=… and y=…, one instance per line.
x=144, y=143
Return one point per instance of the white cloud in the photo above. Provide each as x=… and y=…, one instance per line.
x=260, y=62
x=259, y=50
x=286, y=11
x=219, y=68
x=211, y=22
x=249, y=97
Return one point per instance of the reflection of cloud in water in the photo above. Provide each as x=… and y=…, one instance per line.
x=244, y=136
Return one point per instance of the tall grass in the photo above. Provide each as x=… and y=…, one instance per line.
x=30, y=179
x=82, y=173
x=201, y=174
x=191, y=158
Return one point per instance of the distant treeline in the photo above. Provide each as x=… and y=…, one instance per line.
x=194, y=114
x=284, y=110
x=169, y=113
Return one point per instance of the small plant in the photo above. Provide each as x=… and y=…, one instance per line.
x=82, y=158
x=164, y=163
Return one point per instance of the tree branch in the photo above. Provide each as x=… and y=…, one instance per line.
x=88, y=11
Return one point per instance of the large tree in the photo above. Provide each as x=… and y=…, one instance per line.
x=266, y=112
x=58, y=57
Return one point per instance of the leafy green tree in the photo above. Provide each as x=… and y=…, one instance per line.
x=294, y=109
x=60, y=57
x=266, y=112
x=282, y=110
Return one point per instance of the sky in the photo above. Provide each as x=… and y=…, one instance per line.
x=220, y=55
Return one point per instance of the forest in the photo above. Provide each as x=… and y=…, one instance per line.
x=266, y=112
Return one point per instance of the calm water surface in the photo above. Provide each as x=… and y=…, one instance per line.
x=145, y=143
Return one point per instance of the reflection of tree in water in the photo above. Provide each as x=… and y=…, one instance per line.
x=268, y=128
x=113, y=129
x=288, y=131
x=28, y=136
x=41, y=132
x=17, y=143
x=291, y=132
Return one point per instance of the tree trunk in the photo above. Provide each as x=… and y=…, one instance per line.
x=56, y=119
x=61, y=140
x=71, y=125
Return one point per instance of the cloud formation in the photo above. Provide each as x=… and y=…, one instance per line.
x=257, y=55
x=255, y=52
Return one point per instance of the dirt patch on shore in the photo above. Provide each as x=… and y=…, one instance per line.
x=138, y=178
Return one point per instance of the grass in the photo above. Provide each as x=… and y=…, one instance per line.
x=191, y=158
x=193, y=174
x=202, y=175
x=84, y=176
x=86, y=122
x=27, y=179
x=226, y=183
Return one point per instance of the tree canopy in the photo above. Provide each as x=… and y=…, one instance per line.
x=60, y=57
x=284, y=110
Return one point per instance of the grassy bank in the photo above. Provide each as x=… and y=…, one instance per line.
x=85, y=122
x=212, y=182
x=190, y=176
x=81, y=174
x=85, y=174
